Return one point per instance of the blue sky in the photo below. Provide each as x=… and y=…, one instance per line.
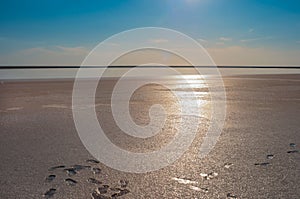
x=257, y=32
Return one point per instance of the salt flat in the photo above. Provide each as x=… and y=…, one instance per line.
x=256, y=155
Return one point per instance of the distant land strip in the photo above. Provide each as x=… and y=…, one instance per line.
x=62, y=67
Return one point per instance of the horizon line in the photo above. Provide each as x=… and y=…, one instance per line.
x=131, y=66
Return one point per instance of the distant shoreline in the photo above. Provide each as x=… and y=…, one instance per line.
x=66, y=67
x=62, y=72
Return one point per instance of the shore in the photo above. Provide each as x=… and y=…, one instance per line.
x=256, y=156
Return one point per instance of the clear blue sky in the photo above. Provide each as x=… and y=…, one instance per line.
x=227, y=28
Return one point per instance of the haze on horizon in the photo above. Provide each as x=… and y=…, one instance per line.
x=249, y=32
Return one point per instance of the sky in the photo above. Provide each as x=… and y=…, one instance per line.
x=234, y=32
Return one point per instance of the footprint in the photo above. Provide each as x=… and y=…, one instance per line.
x=96, y=195
x=123, y=183
x=49, y=193
x=230, y=195
x=96, y=170
x=115, y=189
x=50, y=178
x=120, y=193
x=56, y=167
x=103, y=189
x=208, y=176
x=293, y=151
x=92, y=161
x=262, y=164
x=70, y=182
x=71, y=171
x=78, y=167
x=292, y=145
x=228, y=165
x=94, y=181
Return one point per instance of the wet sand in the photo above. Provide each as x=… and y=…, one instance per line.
x=256, y=156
